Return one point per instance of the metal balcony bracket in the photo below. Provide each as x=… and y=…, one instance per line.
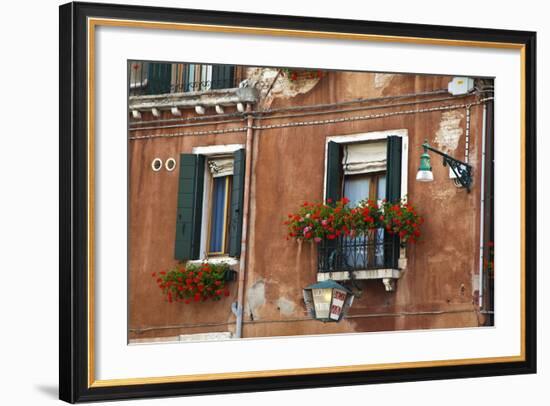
x=389, y=284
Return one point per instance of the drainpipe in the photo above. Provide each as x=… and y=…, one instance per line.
x=246, y=206
x=482, y=208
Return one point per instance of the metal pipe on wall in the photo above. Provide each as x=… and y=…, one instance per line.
x=246, y=207
x=482, y=207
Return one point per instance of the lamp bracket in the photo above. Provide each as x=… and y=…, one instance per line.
x=462, y=170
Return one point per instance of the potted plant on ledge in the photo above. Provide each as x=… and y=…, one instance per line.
x=194, y=282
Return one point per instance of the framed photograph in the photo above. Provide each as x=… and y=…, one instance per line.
x=258, y=202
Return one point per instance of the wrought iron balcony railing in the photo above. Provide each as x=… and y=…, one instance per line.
x=378, y=250
x=151, y=78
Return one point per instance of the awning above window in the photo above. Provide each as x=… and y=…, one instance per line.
x=220, y=166
x=364, y=157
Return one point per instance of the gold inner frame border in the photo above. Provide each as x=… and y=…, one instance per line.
x=92, y=23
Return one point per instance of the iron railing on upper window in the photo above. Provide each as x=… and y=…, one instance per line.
x=148, y=78
x=378, y=250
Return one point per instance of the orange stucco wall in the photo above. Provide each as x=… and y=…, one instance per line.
x=437, y=289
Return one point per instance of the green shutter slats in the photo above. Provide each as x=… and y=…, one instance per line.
x=159, y=77
x=334, y=172
x=393, y=194
x=222, y=76
x=189, y=208
x=237, y=199
x=393, y=164
x=334, y=185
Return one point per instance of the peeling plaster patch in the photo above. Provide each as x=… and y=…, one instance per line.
x=286, y=306
x=443, y=194
x=273, y=84
x=382, y=79
x=450, y=130
x=256, y=298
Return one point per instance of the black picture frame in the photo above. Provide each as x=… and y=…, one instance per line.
x=74, y=385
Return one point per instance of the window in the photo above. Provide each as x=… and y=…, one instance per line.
x=219, y=197
x=210, y=198
x=359, y=170
x=150, y=78
x=138, y=75
x=365, y=251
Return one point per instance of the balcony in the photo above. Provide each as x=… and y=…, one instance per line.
x=156, y=87
x=375, y=256
x=153, y=78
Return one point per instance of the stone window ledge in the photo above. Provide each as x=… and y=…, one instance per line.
x=232, y=262
x=206, y=98
x=388, y=276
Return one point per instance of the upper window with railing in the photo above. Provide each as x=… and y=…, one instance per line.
x=148, y=78
x=361, y=171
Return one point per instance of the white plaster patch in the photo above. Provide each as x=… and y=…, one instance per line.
x=382, y=79
x=449, y=132
x=286, y=306
x=274, y=83
x=256, y=299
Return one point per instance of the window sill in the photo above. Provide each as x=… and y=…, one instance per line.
x=388, y=276
x=232, y=262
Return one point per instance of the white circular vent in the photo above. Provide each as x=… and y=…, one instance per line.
x=156, y=165
x=170, y=164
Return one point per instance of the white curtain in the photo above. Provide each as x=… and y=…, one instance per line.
x=220, y=166
x=364, y=157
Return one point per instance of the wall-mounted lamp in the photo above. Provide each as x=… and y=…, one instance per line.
x=327, y=300
x=461, y=170
x=200, y=109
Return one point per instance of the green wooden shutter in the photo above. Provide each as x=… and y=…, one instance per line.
x=185, y=78
x=159, y=78
x=237, y=199
x=334, y=172
x=222, y=76
x=393, y=165
x=329, y=249
x=189, y=210
x=393, y=194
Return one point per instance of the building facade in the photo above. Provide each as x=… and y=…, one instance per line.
x=219, y=156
